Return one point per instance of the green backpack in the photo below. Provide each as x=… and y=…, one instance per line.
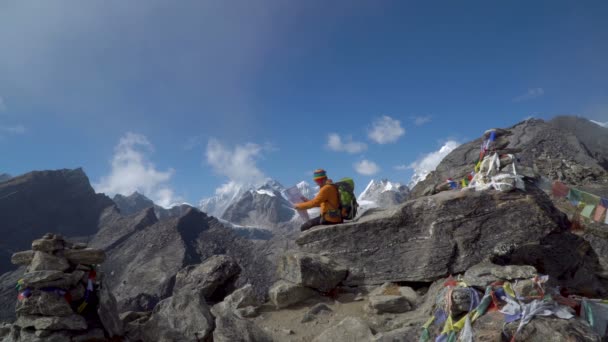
x=348, y=200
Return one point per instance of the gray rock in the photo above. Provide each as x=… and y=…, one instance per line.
x=311, y=270
x=230, y=328
x=283, y=294
x=44, y=303
x=43, y=261
x=22, y=258
x=461, y=301
x=27, y=335
x=183, y=317
x=72, y=322
x=410, y=294
x=311, y=314
x=87, y=256
x=130, y=316
x=215, y=273
x=349, y=329
x=247, y=312
x=396, y=290
x=389, y=304
x=5, y=329
x=442, y=234
x=526, y=288
x=239, y=299
x=108, y=312
x=405, y=334
x=485, y=273
x=542, y=329
x=48, y=245
x=513, y=272
x=40, y=279
x=569, y=261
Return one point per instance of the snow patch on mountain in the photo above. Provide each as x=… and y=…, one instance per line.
x=428, y=163
x=265, y=192
x=603, y=124
x=383, y=193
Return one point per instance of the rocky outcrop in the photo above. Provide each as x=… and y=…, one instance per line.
x=136, y=202
x=144, y=257
x=434, y=236
x=213, y=279
x=283, y=294
x=569, y=149
x=132, y=204
x=486, y=272
x=182, y=317
x=57, y=295
x=60, y=201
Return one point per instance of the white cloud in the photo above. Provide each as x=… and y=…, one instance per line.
x=386, y=130
x=421, y=120
x=335, y=143
x=532, y=93
x=132, y=171
x=603, y=124
x=2, y=104
x=17, y=129
x=427, y=163
x=238, y=163
x=366, y=167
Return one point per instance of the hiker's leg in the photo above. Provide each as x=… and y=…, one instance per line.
x=311, y=223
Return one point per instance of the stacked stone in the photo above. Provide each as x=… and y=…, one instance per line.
x=53, y=289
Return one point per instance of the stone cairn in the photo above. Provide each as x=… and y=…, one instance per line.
x=57, y=296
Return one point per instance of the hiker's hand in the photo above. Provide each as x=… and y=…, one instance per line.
x=303, y=199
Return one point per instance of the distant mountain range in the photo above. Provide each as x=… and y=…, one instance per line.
x=137, y=202
x=383, y=193
x=4, y=177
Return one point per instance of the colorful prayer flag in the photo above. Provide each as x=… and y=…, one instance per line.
x=574, y=196
x=599, y=211
x=589, y=198
x=560, y=189
x=604, y=202
x=587, y=210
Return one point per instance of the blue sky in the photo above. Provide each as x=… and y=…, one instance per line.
x=177, y=99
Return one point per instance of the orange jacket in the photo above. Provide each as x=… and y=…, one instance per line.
x=328, y=199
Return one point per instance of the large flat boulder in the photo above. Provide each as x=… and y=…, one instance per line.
x=431, y=237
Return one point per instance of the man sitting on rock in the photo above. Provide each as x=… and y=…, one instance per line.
x=328, y=199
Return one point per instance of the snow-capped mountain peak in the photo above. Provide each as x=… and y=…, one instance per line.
x=383, y=193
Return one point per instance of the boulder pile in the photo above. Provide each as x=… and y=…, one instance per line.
x=60, y=297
